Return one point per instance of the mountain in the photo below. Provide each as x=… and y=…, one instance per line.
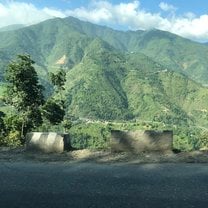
x=174, y=52
x=110, y=85
x=115, y=75
x=11, y=27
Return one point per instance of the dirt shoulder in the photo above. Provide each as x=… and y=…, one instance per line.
x=19, y=154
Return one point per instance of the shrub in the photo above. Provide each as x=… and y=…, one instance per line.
x=13, y=139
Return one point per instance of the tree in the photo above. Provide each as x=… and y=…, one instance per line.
x=24, y=92
x=2, y=125
x=58, y=80
x=53, y=112
x=54, y=108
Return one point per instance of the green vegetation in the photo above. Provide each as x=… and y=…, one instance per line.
x=24, y=93
x=25, y=96
x=90, y=135
x=96, y=135
x=54, y=108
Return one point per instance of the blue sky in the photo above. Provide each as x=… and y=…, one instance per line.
x=188, y=18
x=196, y=6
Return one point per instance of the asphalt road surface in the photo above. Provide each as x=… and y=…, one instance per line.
x=41, y=185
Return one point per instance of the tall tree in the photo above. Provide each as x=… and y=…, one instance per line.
x=24, y=92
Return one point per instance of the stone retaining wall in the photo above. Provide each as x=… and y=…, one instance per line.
x=141, y=141
x=48, y=142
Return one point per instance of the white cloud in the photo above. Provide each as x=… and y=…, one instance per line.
x=129, y=15
x=167, y=7
x=124, y=15
x=132, y=16
x=20, y=13
x=193, y=28
x=53, y=13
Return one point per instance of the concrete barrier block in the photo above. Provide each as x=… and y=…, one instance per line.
x=48, y=142
x=141, y=141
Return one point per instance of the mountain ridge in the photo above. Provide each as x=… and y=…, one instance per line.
x=12, y=27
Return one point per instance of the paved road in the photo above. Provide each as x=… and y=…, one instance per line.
x=40, y=185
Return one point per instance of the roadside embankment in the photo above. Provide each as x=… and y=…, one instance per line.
x=19, y=154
